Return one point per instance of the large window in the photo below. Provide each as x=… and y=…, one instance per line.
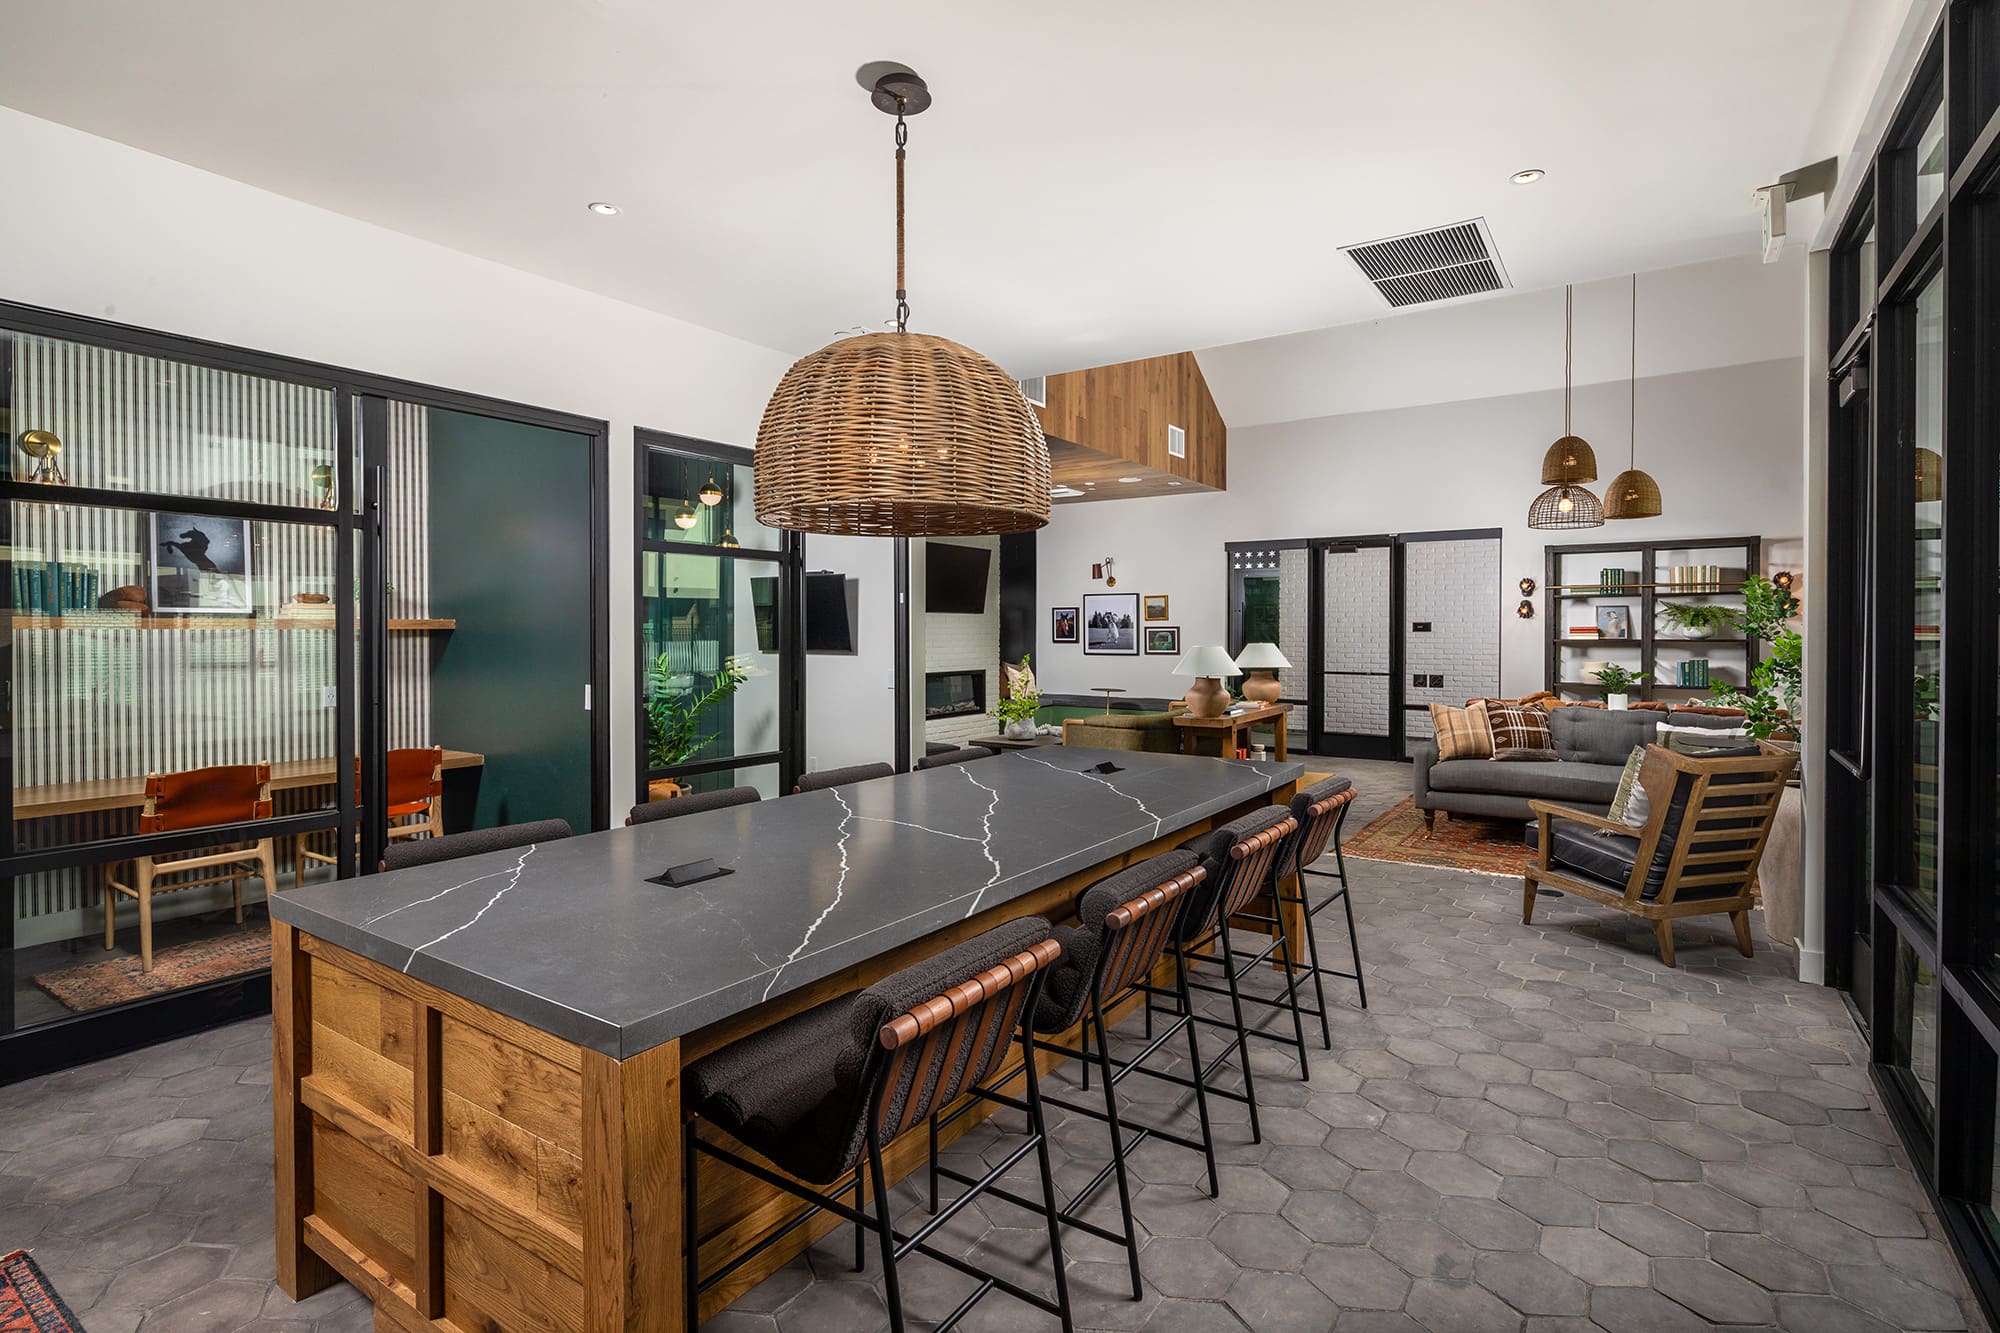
x=719, y=627
x=235, y=585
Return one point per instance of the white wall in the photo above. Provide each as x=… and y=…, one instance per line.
x=128, y=236
x=1722, y=443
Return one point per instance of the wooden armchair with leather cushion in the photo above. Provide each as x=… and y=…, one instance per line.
x=1697, y=853
x=195, y=798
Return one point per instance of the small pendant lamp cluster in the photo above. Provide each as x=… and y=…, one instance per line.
x=1570, y=462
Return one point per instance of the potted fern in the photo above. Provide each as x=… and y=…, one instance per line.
x=1617, y=681
x=1699, y=620
x=674, y=714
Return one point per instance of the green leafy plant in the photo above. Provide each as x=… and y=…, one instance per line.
x=1616, y=679
x=1700, y=616
x=673, y=714
x=1777, y=684
x=1021, y=707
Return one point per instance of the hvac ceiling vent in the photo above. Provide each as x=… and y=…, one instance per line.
x=1433, y=265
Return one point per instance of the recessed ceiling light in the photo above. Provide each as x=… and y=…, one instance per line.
x=1528, y=177
x=604, y=210
x=1128, y=480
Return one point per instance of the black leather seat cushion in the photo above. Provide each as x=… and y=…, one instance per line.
x=797, y=1092
x=955, y=756
x=1309, y=797
x=1066, y=992
x=693, y=804
x=428, y=851
x=841, y=777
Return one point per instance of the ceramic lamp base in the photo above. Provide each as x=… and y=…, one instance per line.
x=1206, y=697
x=1262, y=687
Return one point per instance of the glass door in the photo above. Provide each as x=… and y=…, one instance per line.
x=719, y=627
x=1270, y=600
x=1356, y=650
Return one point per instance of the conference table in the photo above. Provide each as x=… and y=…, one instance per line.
x=477, y=1063
x=73, y=798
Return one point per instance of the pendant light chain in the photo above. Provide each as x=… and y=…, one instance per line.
x=1632, y=431
x=902, y=287
x=1569, y=326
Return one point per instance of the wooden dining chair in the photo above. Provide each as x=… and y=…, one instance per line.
x=195, y=798
x=1696, y=855
x=415, y=783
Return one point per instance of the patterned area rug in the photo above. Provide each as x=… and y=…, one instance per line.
x=115, y=980
x=1463, y=842
x=28, y=1304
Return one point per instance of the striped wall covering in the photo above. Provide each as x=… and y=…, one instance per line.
x=101, y=698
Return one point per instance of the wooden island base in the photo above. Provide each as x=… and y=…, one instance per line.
x=472, y=1174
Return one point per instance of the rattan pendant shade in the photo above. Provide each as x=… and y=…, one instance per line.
x=1632, y=493
x=1569, y=460
x=900, y=434
x=1582, y=511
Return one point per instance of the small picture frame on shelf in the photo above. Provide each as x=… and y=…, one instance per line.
x=1614, y=622
x=1156, y=606
x=1162, y=640
x=1062, y=624
x=198, y=565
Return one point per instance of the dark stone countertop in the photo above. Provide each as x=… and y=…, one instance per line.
x=571, y=938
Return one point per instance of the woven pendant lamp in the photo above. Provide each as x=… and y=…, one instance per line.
x=900, y=434
x=1570, y=459
x=1632, y=493
x=1566, y=507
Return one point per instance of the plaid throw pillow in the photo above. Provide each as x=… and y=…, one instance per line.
x=1522, y=733
x=1462, y=733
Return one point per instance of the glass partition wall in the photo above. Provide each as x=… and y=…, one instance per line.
x=1912, y=714
x=719, y=620
x=227, y=600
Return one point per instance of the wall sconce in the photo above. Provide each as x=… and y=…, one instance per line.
x=1527, y=587
x=1783, y=580
x=1526, y=610
x=1102, y=570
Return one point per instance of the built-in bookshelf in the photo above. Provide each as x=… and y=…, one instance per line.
x=1596, y=589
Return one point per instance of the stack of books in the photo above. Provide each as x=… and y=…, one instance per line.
x=1693, y=673
x=52, y=590
x=1616, y=580
x=1583, y=631
x=1695, y=578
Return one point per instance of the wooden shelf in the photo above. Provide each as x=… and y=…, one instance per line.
x=1599, y=590
x=1599, y=643
x=126, y=620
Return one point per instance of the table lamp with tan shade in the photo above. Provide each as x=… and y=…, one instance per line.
x=1263, y=661
x=1207, y=664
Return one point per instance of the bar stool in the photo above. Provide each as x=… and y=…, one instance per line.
x=1321, y=810
x=691, y=804
x=403, y=855
x=950, y=757
x=414, y=787
x=840, y=777
x=195, y=798
x=1125, y=923
x=823, y=1090
x=1238, y=857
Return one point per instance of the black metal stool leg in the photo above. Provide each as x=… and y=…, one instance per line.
x=1353, y=938
x=860, y=1236
x=886, y=1232
x=1117, y=1142
x=934, y=1164
x=1038, y=1127
x=1242, y=1032
x=690, y=1232
x=1292, y=992
x=1194, y=1063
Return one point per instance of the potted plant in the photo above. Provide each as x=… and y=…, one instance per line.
x=1699, y=620
x=1777, y=685
x=1017, y=712
x=1617, y=681
x=673, y=714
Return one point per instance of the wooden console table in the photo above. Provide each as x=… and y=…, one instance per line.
x=1231, y=728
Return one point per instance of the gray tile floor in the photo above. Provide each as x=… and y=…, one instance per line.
x=1539, y=1130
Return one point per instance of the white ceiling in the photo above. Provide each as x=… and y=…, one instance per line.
x=1097, y=181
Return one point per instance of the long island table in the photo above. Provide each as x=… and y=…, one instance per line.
x=477, y=1063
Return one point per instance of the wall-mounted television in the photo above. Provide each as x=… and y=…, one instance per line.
x=955, y=578
x=829, y=627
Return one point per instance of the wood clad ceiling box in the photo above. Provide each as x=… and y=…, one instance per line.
x=1112, y=422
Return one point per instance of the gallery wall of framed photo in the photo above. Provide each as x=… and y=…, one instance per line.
x=223, y=561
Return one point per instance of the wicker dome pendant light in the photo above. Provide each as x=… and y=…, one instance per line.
x=1633, y=494
x=1570, y=459
x=900, y=434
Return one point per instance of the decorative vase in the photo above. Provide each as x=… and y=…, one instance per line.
x=1616, y=700
x=1020, y=729
x=1696, y=631
x=1262, y=687
x=660, y=789
x=1206, y=697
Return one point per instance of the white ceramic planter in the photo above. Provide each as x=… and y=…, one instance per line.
x=1616, y=700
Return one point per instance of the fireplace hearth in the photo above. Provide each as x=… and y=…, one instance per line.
x=954, y=693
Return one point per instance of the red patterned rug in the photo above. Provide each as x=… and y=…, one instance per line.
x=115, y=980
x=28, y=1304
x=1462, y=842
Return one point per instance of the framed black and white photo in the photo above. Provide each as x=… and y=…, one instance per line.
x=1163, y=639
x=1614, y=622
x=1111, y=623
x=199, y=566
x=1062, y=624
